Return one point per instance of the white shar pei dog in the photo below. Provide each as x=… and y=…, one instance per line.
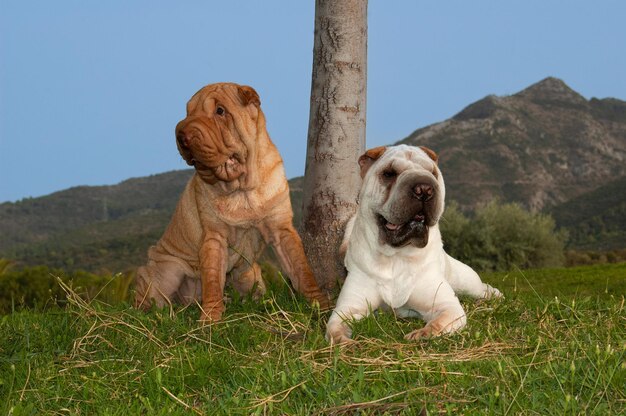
x=395, y=257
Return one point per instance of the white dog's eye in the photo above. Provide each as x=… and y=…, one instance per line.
x=390, y=174
x=220, y=111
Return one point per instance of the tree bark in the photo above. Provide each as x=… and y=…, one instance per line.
x=336, y=133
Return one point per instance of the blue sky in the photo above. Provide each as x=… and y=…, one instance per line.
x=90, y=91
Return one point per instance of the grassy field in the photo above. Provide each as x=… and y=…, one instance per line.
x=554, y=346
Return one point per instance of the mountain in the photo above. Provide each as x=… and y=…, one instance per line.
x=540, y=147
x=94, y=227
x=104, y=229
x=595, y=220
x=546, y=147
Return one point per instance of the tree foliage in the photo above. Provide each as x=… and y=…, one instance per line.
x=500, y=237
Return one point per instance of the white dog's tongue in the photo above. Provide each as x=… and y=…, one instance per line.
x=391, y=226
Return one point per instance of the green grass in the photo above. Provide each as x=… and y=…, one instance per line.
x=554, y=346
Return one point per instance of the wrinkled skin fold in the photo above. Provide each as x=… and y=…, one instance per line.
x=236, y=203
x=393, y=248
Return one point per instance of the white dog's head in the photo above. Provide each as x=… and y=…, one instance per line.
x=402, y=193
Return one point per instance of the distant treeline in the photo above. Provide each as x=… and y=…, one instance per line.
x=500, y=237
x=496, y=237
x=37, y=287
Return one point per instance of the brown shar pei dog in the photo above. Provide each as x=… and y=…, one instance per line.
x=236, y=202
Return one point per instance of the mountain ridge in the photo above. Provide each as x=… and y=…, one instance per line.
x=539, y=147
x=545, y=147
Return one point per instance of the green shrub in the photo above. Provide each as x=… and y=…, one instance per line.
x=499, y=237
x=589, y=257
x=37, y=287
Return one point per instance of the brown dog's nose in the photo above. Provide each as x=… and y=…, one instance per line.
x=423, y=191
x=183, y=140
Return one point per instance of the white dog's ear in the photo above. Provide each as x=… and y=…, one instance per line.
x=368, y=158
x=431, y=154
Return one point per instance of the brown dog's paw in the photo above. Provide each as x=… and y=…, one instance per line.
x=211, y=314
x=326, y=304
x=319, y=299
x=322, y=302
x=258, y=291
x=142, y=303
x=209, y=318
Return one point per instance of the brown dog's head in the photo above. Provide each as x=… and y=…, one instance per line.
x=219, y=134
x=402, y=192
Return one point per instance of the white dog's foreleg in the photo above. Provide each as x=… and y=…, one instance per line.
x=465, y=281
x=338, y=330
x=439, y=307
x=356, y=300
x=450, y=319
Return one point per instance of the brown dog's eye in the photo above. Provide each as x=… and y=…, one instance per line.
x=220, y=111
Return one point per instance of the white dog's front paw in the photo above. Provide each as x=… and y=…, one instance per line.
x=448, y=321
x=492, y=292
x=426, y=332
x=339, y=339
x=338, y=333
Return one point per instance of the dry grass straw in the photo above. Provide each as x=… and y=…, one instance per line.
x=122, y=322
x=288, y=341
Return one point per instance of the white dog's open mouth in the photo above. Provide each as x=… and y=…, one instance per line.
x=394, y=227
x=414, y=231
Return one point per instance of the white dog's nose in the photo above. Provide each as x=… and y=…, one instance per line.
x=423, y=191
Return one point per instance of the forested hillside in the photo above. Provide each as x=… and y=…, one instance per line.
x=546, y=148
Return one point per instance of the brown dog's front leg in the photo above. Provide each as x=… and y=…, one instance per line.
x=288, y=245
x=213, y=259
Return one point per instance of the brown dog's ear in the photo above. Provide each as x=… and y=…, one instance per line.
x=431, y=154
x=368, y=158
x=248, y=95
